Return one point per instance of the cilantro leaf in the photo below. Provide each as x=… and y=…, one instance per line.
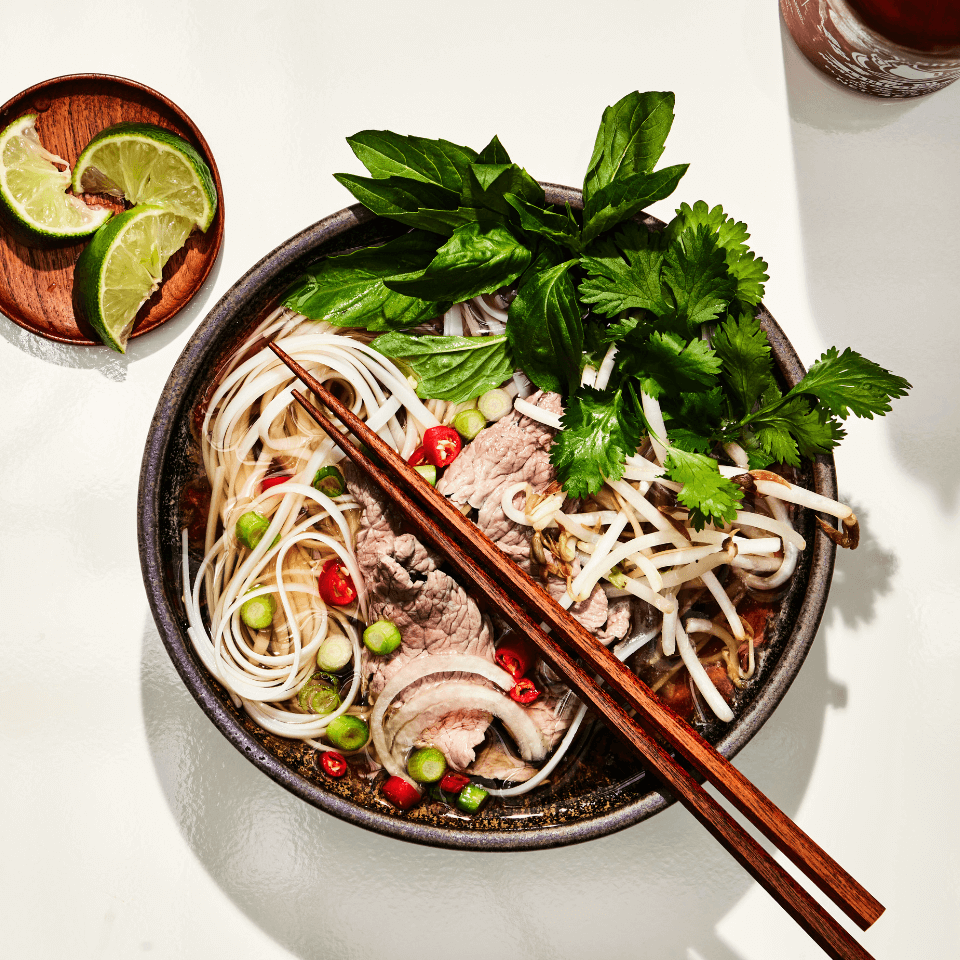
x=848, y=383
x=757, y=457
x=624, y=273
x=689, y=440
x=702, y=409
x=748, y=270
x=668, y=362
x=747, y=365
x=451, y=368
x=788, y=430
x=706, y=494
x=600, y=428
x=696, y=272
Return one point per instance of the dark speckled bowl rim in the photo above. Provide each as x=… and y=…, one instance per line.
x=178, y=386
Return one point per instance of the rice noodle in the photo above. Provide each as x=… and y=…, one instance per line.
x=253, y=429
x=534, y=412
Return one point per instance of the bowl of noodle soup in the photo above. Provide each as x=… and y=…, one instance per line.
x=597, y=787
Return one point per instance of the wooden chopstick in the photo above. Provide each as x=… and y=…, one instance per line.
x=513, y=592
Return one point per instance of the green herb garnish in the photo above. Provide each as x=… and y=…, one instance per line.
x=679, y=305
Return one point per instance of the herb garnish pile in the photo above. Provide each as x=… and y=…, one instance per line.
x=679, y=304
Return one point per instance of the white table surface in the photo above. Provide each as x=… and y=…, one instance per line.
x=131, y=828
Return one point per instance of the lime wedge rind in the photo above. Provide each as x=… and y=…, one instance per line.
x=122, y=268
x=148, y=165
x=33, y=188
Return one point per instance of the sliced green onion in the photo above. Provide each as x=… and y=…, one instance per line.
x=382, y=637
x=429, y=473
x=329, y=480
x=495, y=404
x=617, y=577
x=319, y=694
x=335, y=653
x=472, y=798
x=323, y=700
x=257, y=613
x=427, y=765
x=348, y=733
x=251, y=527
x=468, y=423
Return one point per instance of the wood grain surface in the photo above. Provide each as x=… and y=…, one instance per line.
x=36, y=285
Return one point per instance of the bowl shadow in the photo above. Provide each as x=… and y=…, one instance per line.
x=299, y=874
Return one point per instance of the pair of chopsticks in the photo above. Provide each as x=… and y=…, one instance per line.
x=525, y=606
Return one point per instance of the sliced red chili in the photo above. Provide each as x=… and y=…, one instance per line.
x=441, y=445
x=335, y=584
x=401, y=793
x=269, y=482
x=516, y=654
x=453, y=782
x=524, y=691
x=418, y=458
x=333, y=763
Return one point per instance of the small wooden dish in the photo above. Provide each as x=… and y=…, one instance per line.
x=36, y=285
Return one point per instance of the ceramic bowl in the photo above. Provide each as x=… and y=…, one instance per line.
x=591, y=800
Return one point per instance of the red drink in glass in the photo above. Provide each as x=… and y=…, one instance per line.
x=887, y=48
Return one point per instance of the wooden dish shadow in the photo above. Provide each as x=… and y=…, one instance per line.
x=36, y=285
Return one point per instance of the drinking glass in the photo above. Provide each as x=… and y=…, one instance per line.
x=887, y=48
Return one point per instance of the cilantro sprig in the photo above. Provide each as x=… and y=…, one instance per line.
x=679, y=305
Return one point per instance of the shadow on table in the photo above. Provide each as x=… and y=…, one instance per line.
x=860, y=577
x=325, y=889
x=879, y=202
x=112, y=365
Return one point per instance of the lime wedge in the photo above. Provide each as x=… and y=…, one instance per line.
x=32, y=188
x=122, y=266
x=147, y=164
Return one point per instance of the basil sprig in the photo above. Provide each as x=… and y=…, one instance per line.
x=670, y=314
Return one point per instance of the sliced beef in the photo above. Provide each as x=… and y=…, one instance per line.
x=455, y=734
x=619, y=616
x=515, y=448
x=432, y=611
x=496, y=762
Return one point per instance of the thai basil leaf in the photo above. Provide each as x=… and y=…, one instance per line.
x=545, y=223
x=349, y=291
x=446, y=221
x=398, y=195
x=493, y=152
x=451, y=368
x=623, y=199
x=630, y=140
x=545, y=329
x=478, y=258
x=386, y=154
x=487, y=184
